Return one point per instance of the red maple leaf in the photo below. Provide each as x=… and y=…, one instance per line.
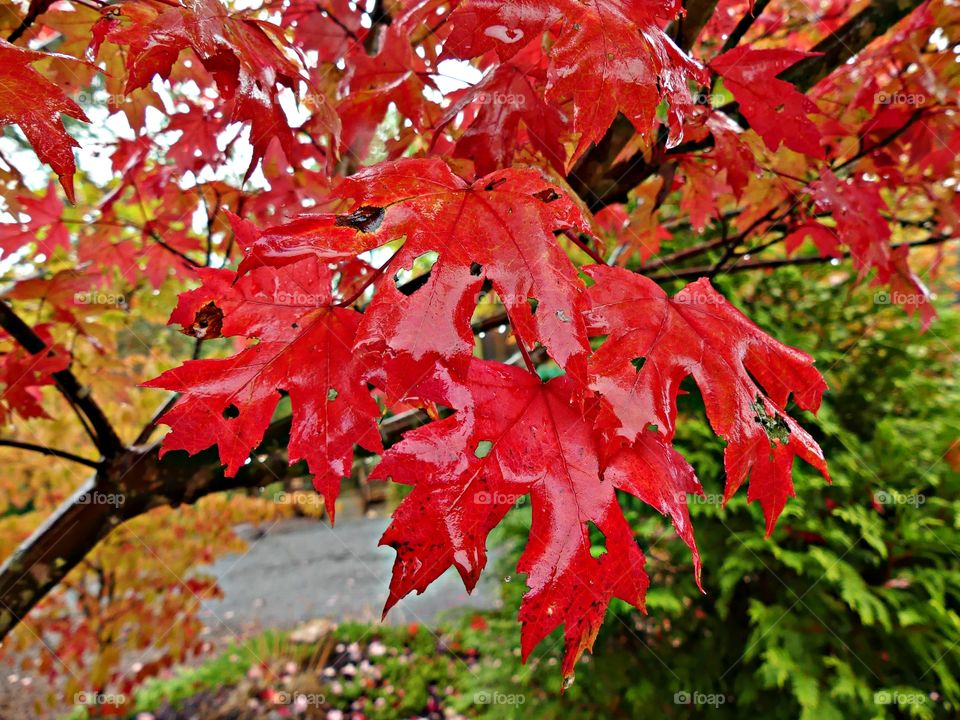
x=855, y=208
x=654, y=342
x=35, y=105
x=824, y=239
x=395, y=75
x=305, y=352
x=773, y=107
x=513, y=435
x=330, y=28
x=908, y=290
x=46, y=218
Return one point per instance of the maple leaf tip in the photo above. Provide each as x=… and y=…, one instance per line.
x=392, y=600
x=66, y=182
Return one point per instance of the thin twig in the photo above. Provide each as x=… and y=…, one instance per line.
x=44, y=450
x=787, y=262
x=746, y=22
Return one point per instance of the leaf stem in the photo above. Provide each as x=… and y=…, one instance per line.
x=526, y=355
x=575, y=239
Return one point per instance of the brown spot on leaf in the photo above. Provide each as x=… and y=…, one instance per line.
x=366, y=219
x=207, y=323
x=547, y=195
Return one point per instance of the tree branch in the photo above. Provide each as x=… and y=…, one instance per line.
x=128, y=486
x=36, y=9
x=847, y=40
x=696, y=15
x=863, y=152
x=380, y=19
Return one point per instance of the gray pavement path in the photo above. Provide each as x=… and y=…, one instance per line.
x=303, y=569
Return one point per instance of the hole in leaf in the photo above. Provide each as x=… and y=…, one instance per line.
x=534, y=304
x=653, y=428
x=483, y=449
x=366, y=219
x=231, y=412
x=598, y=541
x=775, y=427
x=409, y=280
x=476, y=269
x=332, y=395
x=637, y=363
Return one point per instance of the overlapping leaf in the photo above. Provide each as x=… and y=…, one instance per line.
x=395, y=76
x=510, y=112
x=774, y=107
x=305, y=351
x=23, y=374
x=45, y=226
x=745, y=377
x=856, y=207
x=245, y=57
